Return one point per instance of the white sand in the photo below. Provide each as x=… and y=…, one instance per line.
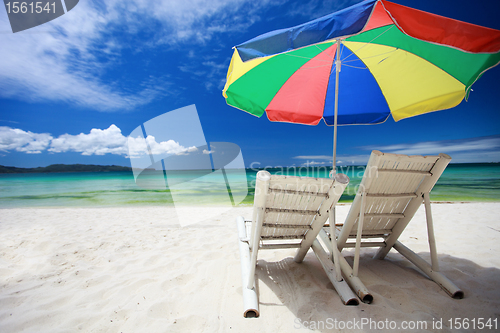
x=137, y=270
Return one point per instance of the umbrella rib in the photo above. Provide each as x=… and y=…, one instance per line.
x=313, y=67
x=327, y=63
x=381, y=54
x=357, y=67
x=309, y=58
x=296, y=56
x=367, y=43
x=323, y=51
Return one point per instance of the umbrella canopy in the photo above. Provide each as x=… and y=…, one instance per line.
x=389, y=60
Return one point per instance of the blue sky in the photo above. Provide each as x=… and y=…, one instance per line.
x=73, y=89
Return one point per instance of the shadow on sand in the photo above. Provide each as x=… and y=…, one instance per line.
x=403, y=295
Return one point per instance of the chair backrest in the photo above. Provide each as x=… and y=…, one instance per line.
x=290, y=206
x=393, y=186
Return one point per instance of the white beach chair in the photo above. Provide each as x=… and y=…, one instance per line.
x=289, y=212
x=391, y=191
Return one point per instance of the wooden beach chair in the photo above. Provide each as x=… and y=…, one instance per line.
x=391, y=191
x=289, y=212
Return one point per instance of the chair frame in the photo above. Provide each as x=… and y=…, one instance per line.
x=418, y=172
x=289, y=212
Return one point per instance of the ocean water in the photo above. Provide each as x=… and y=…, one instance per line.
x=459, y=182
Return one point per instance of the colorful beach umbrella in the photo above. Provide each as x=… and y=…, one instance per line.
x=360, y=65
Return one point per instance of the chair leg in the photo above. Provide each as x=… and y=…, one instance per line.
x=335, y=253
x=430, y=233
x=361, y=219
x=437, y=277
x=346, y=294
x=430, y=270
x=254, y=243
x=353, y=281
x=250, y=301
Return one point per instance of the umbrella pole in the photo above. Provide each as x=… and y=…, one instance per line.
x=336, y=106
x=335, y=255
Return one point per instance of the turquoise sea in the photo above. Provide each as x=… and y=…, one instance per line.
x=459, y=182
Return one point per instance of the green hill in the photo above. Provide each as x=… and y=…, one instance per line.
x=65, y=168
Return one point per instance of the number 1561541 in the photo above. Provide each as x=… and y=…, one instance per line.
x=38, y=7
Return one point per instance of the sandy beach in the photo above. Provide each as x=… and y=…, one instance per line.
x=137, y=270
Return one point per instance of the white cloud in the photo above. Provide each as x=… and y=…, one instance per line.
x=63, y=60
x=315, y=163
x=473, y=150
x=183, y=151
x=68, y=58
x=476, y=157
x=97, y=142
x=352, y=159
x=136, y=147
x=482, y=149
x=140, y=147
x=314, y=157
x=19, y=140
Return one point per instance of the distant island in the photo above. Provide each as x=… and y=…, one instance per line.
x=65, y=168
